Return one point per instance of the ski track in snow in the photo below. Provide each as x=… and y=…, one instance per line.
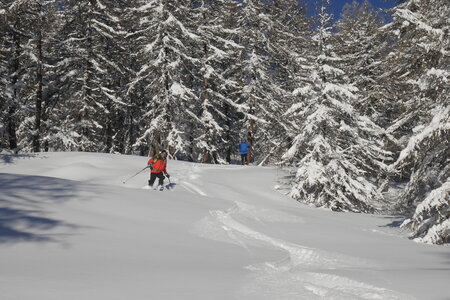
x=190, y=174
x=303, y=274
x=192, y=188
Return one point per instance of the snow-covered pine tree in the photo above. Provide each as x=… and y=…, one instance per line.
x=3, y=77
x=362, y=50
x=418, y=72
x=39, y=29
x=126, y=117
x=362, y=47
x=15, y=76
x=90, y=36
x=134, y=20
x=427, y=156
x=418, y=67
x=289, y=43
x=335, y=150
x=168, y=73
x=116, y=59
x=431, y=220
x=217, y=52
x=253, y=18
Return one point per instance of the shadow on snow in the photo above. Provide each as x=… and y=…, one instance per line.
x=22, y=216
x=10, y=158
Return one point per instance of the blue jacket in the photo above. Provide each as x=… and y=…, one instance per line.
x=243, y=147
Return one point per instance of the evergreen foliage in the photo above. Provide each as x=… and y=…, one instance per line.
x=420, y=69
x=336, y=149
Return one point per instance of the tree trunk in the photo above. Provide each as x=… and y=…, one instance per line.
x=109, y=136
x=206, y=154
x=11, y=120
x=250, y=134
x=85, y=131
x=250, y=141
x=39, y=94
x=11, y=128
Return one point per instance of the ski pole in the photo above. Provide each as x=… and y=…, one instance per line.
x=136, y=174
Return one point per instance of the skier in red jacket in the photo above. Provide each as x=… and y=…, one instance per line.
x=158, y=164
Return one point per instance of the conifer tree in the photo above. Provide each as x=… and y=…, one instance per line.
x=289, y=46
x=335, y=149
x=216, y=53
x=134, y=21
x=168, y=72
x=14, y=78
x=254, y=20
x=428, y=156
x=431, y=220
x=418, y=68
x=91, y=33
x=3, y=77
x=127, y=114
x=362, y=49
x=40, y=27
x=419, y=77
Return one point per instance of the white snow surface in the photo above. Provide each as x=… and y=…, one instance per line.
x=71, y=229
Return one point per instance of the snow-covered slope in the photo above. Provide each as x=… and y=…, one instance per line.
x=70, y=229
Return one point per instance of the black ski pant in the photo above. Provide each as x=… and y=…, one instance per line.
x=153, y=177
x=244, y=158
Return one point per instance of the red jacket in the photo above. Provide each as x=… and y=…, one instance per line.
x=158, y=164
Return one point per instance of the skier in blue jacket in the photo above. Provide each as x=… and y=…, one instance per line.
x=243, y=149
